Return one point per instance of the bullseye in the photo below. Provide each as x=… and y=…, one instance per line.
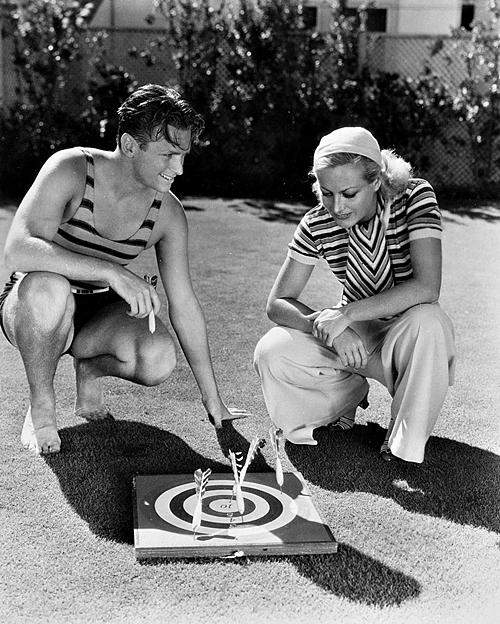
x=264, y=507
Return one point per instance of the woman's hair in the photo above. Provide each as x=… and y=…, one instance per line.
x=394, y=174
x=149, y=113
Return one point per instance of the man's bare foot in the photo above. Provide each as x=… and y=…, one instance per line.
x=41, y=437
x=101, y=414
x=89, y=402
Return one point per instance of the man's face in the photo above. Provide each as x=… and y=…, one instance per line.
x=160, y=161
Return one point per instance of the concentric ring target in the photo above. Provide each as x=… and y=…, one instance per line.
x=265, y=508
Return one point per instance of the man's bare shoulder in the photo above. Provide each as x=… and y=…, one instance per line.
x=60, y=183
x=173, y=203
x=66, y=163
x=172, y=208
x=171, y=221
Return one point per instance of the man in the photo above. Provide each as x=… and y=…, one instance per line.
x=88, y=213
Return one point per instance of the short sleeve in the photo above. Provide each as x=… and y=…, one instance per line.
x=303, y=247
x=422, y=211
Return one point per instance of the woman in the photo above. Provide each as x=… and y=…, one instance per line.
x=380, y=232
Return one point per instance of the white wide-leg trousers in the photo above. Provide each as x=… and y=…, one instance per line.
x=305, y=385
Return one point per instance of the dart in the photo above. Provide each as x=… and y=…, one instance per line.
x=200, y=480
x=275, y=435
x=240, y=501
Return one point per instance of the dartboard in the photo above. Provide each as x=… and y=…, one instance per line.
x=274, y=520
x=264, y=507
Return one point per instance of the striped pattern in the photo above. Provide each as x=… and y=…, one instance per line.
x=80, y=235
x=369, y=269
x=413, y=215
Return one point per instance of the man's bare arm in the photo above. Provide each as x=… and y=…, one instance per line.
x=30, y=243
x=186, y=314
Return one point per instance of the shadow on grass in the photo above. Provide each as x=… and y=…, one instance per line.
x=455, y=482
x=95, y=471
x=472, y=209
x=98, y=461
x=269, y=210
x=348, y=574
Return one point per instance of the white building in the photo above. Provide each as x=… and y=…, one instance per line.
x=407, y=17
x=393, y=17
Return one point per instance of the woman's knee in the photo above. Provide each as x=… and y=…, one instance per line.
x=274, y=351
x=427, y=321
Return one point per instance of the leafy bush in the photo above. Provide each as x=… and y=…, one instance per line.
x=56, y=107
x=285, y=87
x=267, y=85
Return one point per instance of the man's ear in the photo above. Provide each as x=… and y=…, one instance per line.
x=378, y=184
x=128, y=145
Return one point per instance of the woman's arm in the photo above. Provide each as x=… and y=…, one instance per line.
x=423, y=287
x=284, y=308
x=283, y=305
x=331, y=326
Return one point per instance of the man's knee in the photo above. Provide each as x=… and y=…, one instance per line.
x=45, y=292
x=46, y=297
x=156, y=362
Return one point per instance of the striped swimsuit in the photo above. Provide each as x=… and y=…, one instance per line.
x=80, y=235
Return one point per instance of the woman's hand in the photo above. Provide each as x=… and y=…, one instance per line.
x=351, y=349
x=328, y=324
x=331, y=327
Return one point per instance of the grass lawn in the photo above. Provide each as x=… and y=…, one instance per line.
x=417, y=544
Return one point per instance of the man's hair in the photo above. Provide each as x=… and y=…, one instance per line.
x=148, y=112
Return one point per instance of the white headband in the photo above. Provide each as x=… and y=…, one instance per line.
x=354, y=140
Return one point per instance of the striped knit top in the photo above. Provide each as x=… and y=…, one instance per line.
x=413, y=215
x=80, y=235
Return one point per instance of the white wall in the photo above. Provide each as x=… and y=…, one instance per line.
x=428, y=17
x=411, y=17
x=125, y=14
x=404, y=17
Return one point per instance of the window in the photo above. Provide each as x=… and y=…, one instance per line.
x=468, y=11
x=376, y=19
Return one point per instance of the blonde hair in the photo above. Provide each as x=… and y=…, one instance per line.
x=394, y=174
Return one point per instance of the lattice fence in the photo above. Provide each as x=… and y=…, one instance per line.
x=139, y=54
x=451, y=162
x=410, y=56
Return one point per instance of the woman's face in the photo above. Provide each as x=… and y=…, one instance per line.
x=347, y=196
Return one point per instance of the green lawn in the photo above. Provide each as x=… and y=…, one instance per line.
x=417, y=544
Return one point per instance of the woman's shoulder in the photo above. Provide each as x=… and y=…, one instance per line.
x=419, y=184
x=319, y=212
x=416, y=190
x=418, y=180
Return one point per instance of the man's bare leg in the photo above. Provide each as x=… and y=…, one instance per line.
x=38, y=319
x=89, y=403
x=113, y=344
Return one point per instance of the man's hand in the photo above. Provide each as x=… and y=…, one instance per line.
x=137, y=292
x=217, y=416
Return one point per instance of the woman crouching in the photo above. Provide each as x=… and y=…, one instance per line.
x=379, y=230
